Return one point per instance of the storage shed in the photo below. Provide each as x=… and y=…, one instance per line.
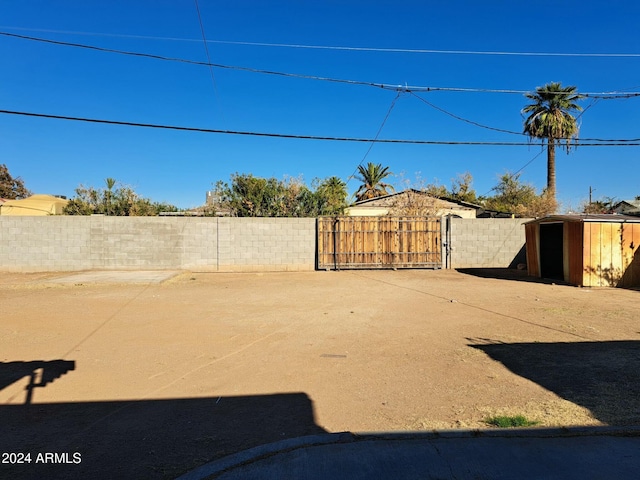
x=585, y=250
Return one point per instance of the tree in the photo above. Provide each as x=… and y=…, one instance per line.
x=372, y=184
x=436, y=190
x=550, y=119
x=111, y=182
x=604, y=205
x=461, y=188
x=415, y=203
x=11, y=188
x=331, y=196
x=250, y=196
x=116, y=199
x=521, y=199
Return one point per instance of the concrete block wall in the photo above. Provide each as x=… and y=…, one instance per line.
x=29, y=244
x=267, y=244
x=200, y=244
x=487, y=242
x=71, y=243
x=138, y=243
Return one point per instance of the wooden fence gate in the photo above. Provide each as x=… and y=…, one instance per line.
x=379, y=242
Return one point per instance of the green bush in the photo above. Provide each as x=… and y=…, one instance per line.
x=510, y=422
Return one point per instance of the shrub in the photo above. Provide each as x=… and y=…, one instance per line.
x=510, y=422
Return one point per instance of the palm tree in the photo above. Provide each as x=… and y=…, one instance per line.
x=333, y=192
x=111, y=182
x=550, y=118
x=372, y=184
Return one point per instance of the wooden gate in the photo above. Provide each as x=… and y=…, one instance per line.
x=379, y=242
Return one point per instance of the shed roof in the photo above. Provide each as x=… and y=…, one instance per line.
x=591, y=218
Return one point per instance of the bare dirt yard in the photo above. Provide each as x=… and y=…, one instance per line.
x=149, y=380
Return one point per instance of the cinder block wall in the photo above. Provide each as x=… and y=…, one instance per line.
x=487, y=242
x=267, y=244
x=70, y=243
x=31, y=244
x=141, y=242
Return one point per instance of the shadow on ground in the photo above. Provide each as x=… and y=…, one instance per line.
x=509, y=274
x=40, y=373
x=142, y=438
x=601, y=376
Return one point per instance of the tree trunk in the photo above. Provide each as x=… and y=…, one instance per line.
x=551, y=168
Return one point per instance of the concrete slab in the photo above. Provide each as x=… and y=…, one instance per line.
x=592, y=453
x=113, y=276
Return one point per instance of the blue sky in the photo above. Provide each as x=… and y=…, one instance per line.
x=55, y=156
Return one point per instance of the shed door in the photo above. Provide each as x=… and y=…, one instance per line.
x=551, y=251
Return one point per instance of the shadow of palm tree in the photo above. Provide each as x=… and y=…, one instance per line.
x=601, y=376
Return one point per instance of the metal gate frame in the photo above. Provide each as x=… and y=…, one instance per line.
x=392, y=242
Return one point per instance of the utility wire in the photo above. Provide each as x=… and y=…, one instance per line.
x=335, y=47
x=608, y=143
x=412, y=90
x=430, y=51
x=464, y=119
x=527, y=164
x=386, y=86
x=206, y=49
x=512, y=175
x=393, y=104
x=593, y=102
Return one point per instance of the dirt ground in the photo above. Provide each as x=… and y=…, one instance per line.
x=145, y=380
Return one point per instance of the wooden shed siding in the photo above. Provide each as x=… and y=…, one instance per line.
x=615, y=269
x=630, y=255
x=636, y=256
x=595, y=257
x=635, y=250
x=609, y=259
x=605, y=267
x=588, y=278
x=532, y=240
x=596, y=254
x=573, y=253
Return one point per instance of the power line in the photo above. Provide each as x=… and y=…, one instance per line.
x=100, y=34
x=384, y=121
x=512, y=175
x=206, y=49
x=614, y=95
x=429, y=51
x=342, y=48
x=527, y=164
x=464, y=119
x=609, y=143
x=195, y=62
x=471, y=122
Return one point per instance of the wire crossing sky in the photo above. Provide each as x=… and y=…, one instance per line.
x=127, y=89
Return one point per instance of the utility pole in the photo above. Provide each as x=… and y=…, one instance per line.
x=591, y=190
